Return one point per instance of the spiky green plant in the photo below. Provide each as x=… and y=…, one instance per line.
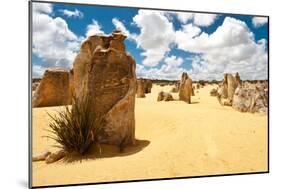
x=76, y=128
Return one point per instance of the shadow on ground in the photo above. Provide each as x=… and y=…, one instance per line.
x=106, y=151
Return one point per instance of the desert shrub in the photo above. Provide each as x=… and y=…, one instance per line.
x=76, y=128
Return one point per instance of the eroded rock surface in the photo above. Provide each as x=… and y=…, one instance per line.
x=163, y=96
x=148, y=86
x=53, y=89
x=227, y=88
x=247, y=99
x=140, y=88
x=185, y=88
x=41, y=156
x=214, y=92
x=105, y=73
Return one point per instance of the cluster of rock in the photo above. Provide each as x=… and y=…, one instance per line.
x=251, y=99
x=143, y=87
x=164, y=96
x=243, y=97
x=185, y=88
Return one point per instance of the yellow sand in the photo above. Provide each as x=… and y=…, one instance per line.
x=175, y=139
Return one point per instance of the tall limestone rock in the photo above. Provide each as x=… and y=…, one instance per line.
x=105, y=73
x=148, y=86
x=228, y=87
x=185, y=88
x=141, y=88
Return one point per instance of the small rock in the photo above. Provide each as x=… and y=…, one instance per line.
x=53, y=157
x=214, y=92
x=163, y=96
x=41, y=156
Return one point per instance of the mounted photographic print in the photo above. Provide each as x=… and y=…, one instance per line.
x=121, y=94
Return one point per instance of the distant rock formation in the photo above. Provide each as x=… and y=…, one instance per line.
x=148, y=86
x=35, y=85
x=163, y=96
x=192, y=92
x=228, y=87
x=105, y=73
x=185, y=88
x=174, y=90
x=251, y=99
x=214, y=92
x=141, y=88
x=53, y=89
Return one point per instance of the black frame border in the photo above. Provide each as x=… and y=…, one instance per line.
x=30, y=17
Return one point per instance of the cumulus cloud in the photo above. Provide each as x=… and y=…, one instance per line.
x=37, y=71
x=170, y=70
x=53, y=42
x=231, y=48
x=184, y=17
x=259, y=21
x=69, y=13
x=46, y=8
x=172, y=73
x=94, y=28
x=173, y=61
x=199, y=19
x=156, y=35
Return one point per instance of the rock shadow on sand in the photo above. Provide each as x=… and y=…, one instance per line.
x=106, y=151
x=192, y=102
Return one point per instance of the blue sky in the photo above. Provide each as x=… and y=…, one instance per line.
x=163, y=43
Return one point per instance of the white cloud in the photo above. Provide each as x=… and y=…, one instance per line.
x=259, y=21
x=120, y=26
x=170, y=70
x=37, y=71
x=94, y=28
x=184, y=17
x=173, y=61
x=53, y=42
x=69, y=13
x=156, y=35
x=199, y=19
x=231, y=48
x=46, y=8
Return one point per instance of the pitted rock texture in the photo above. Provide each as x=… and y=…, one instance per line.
x=105, y=73
x=53, y=89
x=185, y=88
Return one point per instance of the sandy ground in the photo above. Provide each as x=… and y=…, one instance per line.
x=175, y=139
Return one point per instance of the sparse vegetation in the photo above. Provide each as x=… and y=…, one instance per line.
x=76, y=128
